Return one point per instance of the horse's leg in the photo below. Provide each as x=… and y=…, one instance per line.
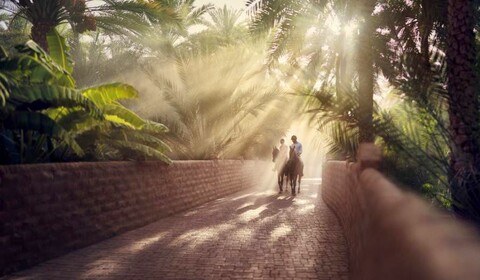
x=289, y=182
x=293, y=182
x=299, y=181
x=280, y=181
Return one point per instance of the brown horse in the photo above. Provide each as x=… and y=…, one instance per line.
x=294, y=170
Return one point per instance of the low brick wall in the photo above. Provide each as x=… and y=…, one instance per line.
x=49, y=209
x=396, y=235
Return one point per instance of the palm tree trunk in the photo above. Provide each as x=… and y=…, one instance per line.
x=463, y=110
x=39, y=33
x=365, y=76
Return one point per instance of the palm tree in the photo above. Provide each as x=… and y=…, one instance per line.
x=223, y=27
x=110, y=56
x=102, y=59
x=42, y=112
x=464, y=173
x=225, y=23
x=365, y=73
x=165, y=40
x=113, y=16
x=44, y=15
x=219, y=105
x=12, y=33
x=288, y=18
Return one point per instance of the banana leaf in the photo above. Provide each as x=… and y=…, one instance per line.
x=75, y=120
x=59, y=50
x=40, y=97
x=42, y=124
x=41, y=67
x=121, y=115
x=141, y=137
x=148, y=152
x=110, y=93
x=3, y=53
x=4, y=92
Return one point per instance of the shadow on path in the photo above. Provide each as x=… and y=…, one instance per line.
x=252, y=234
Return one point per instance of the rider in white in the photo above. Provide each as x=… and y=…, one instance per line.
x=282, y=156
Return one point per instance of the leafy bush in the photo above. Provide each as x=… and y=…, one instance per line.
x=44, y=117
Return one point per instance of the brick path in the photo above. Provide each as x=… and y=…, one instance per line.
x=255, y=234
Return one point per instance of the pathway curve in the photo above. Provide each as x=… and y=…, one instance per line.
x=255, y=234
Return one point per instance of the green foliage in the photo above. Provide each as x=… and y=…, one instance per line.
x=127, y=136
x=32, y=82
x=45, y=118
x=59, y=51
x=336, y=116
x=408, y=52
x=113, y=16
x=101, y=60
x=112, y=56
x=12, y=32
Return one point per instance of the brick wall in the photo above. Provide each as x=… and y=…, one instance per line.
x=396, y=235
x=49, y=209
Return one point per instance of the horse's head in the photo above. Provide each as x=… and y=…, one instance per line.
x=292, y=153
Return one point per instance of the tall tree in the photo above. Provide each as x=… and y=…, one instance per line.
x=226, y=23
x=365, y=73
x=224, y=27
x=112, y=55
x=217, y=105
x=113, y=16
x=287, y=18
x=165, y=39
x=464, y=176
x=44, y=15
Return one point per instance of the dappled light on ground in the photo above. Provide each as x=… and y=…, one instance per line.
x=144, y=243
x=256, y=233
x=305, y=209
x=196, y=237
x=280, y=231
x=251, y=214
x=101, y=267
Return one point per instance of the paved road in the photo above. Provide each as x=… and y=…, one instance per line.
x=255, y=234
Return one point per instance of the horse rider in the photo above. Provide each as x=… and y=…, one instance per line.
x=282, y=156
x=296, y=146
x=297, y=149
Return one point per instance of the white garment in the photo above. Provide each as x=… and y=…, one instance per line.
x=282, y=157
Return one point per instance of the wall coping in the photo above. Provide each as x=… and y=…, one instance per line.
x=393, y=234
